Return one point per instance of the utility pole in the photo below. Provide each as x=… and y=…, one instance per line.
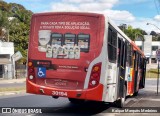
x=158, y=58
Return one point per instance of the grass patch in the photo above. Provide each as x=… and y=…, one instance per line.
x=152, y=73
x=12, y=89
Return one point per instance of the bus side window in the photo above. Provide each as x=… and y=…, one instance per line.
x=129, y=54
x=112, y=45
x=127, y=61
x=133, y=59
x=136, y=60
x=141, y=62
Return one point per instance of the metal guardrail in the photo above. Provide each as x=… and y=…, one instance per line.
x=20, y=71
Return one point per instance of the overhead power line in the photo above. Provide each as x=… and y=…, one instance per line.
x=157, y=4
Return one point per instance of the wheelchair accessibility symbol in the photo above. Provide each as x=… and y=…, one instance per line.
x=41, y=72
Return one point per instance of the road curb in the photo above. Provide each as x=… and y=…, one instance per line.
x=13, y=81
x=11, y=92
x=130, y=101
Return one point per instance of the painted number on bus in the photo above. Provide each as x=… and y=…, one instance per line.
x=59, y=93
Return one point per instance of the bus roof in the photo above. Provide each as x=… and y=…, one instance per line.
x=70, y=13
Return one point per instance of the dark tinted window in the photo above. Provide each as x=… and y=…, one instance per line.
x=129, y=54
x=112, y=45
x=154, y=48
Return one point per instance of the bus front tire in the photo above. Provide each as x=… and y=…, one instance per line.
x=121, y=102
x=76, y=101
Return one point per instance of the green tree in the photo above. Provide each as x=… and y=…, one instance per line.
x=18, y=27
x=3, y=25
x=155, y=36
x=132, y=33
x=4, y=6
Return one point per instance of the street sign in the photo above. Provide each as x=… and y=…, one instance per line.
x=158, y=54
x=17, y=56
x=41, y=72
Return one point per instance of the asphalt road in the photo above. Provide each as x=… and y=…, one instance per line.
x=60, y=105
x=63, y=106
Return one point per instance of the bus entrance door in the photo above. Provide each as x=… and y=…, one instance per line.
x=121, y=66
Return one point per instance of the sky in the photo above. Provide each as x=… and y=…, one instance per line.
x=136, y=13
